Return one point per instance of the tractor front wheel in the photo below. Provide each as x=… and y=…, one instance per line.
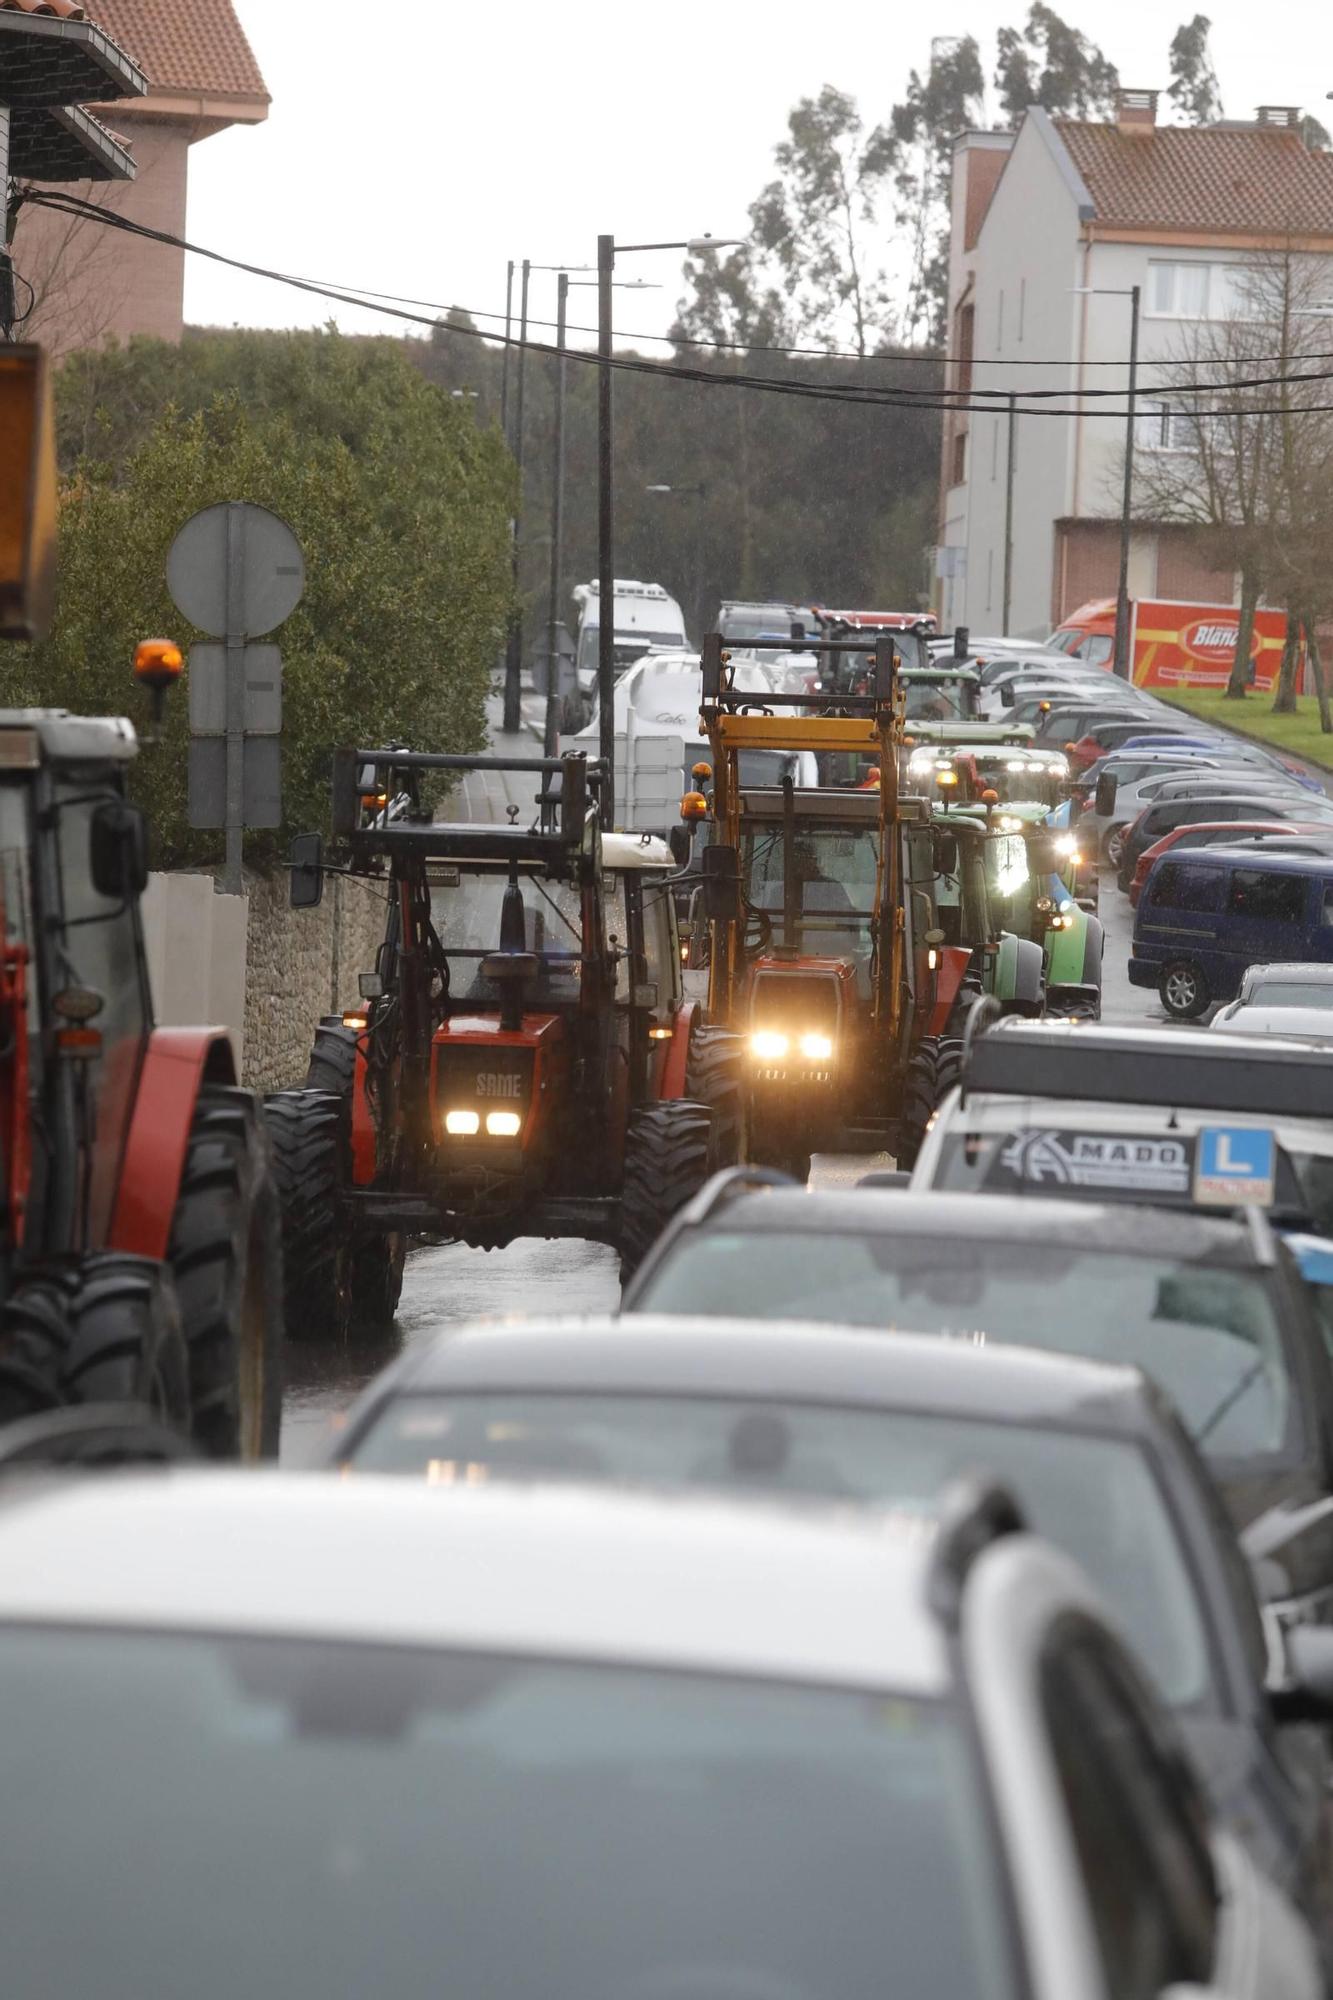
x=226, y=1254
x=373, y=1265
x=307, y=1134
x=668, y=1157
x=127, y=1342
x=715, y=1076
x=36, y=1327
x=933, y=1069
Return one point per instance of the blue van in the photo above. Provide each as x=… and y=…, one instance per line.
x=1207, y=913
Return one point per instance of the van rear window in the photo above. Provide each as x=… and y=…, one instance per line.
x=1258, y=893
x=1178, y=886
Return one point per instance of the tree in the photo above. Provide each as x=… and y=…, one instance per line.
x=1052, y=65
x=1193, y=89
x=401, y=504
x=923, y=130
x=818, y=219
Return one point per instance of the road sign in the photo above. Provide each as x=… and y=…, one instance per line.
x=208, y=690
x=261, y=781
x=1235, y=1164
x=200, y=563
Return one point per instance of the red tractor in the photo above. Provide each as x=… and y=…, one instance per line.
x=524, y=1062
x=140, y=1246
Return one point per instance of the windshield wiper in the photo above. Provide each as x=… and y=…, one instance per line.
x=1232, y=1397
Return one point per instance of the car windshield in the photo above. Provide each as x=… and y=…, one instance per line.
x=231, y=1815
x=1290, y=993
x=1095, y=1496
x=1209, y=1336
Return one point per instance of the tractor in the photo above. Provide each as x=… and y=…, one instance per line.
x=822, y=943
x=524, y=1062
x=140, y=1245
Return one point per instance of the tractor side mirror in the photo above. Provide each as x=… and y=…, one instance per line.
x=721, y=864
x=1044, y=857
x=946, y=851
x=798, y=632
x=679, y=840
x=1107, y=787
x=306, y=861
x=118, y=851
x=1008, y=695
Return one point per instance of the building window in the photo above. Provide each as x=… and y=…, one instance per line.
x=1022, y=307
x=958, y=472
x=1196, y=290
x=1167, y=427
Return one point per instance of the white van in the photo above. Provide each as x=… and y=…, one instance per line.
x=645, y=617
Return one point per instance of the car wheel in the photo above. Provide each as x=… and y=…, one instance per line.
x=1113, y=846
x=1183, y=990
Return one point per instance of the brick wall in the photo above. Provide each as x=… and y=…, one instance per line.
x=1185, y=573
x=301, y=964
x=1087, y=564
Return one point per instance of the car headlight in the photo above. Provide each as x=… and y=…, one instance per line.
x=462, y=1124
x=768, y=1045
x=817, y=1048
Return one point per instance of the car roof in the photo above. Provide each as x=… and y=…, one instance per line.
x=1170, y=1067
x=1314, y=1022
x=682, y=1582
x=1221, y=855
x=1295, y=969
x=1000, y=1219
x=781, y=1360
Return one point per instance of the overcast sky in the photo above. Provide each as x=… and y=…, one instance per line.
x=414, y=149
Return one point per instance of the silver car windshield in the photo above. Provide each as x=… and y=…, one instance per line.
x=235, y=1816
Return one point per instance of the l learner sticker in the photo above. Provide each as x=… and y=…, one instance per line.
x=1235, y=1164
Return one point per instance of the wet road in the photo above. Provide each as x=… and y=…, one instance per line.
x=450, y=1282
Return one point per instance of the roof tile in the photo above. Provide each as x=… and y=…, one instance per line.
x=197, y=46
x=1207, y=179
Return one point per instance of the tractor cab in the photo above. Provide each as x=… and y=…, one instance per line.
x=524, y=1061
x=1014, y=772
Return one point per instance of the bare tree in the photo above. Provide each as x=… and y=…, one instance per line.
x=73, y=268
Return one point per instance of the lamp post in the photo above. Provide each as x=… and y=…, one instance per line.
x=1123, y=662
x=607, y=252
x=513, y=715
x=1009, y=517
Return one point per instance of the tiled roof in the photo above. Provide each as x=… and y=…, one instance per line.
x=1203, y=178
x=195, y=46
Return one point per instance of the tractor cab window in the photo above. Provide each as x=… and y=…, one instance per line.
x=99, y=948
x=466, y=916
x=658, y=941
x=836, y=871
x=15, y=894
x=940, y=700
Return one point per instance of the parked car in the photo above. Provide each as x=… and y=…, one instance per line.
x=1299, y=984
x=600, y=1758
x=1205, y=916
x=1094, y=1455
x=1256, y=835
x=1159, y=816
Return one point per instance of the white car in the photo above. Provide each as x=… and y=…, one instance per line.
x=306, y=1737
x=1298, y=1023
x=1286, y=984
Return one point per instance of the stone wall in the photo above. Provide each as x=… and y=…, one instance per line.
x=301, y=964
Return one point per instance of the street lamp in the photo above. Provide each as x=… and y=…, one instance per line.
x=607, y=251
x=1123, y=663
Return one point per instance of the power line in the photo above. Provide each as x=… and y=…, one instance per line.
x=861, y=395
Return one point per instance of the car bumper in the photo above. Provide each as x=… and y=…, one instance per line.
x=1142, y=972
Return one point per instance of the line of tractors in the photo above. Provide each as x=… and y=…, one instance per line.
x=565, y=1031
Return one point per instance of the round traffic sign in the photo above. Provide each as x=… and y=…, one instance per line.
x=235, y=568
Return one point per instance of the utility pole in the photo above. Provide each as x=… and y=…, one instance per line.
x=504, y=366
x=606, y=581
x=1124, y=663
x=513, y=715
x=552, y=731
x=1009, y=522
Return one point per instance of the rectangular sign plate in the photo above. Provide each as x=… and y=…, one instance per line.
x=1235, y=1164
x=208, y=690
x=262, y=782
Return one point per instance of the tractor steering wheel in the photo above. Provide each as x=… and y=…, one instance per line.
x=757, y=934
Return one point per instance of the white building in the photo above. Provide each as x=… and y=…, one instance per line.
x=1052, y=226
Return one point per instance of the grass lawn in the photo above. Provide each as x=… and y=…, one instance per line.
x=1299, y=733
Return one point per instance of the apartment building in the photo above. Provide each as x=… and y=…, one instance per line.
x=1052, y=226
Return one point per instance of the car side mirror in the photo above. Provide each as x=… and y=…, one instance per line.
x=1107, y=787
x=886, y=1177
x=1008, y=696
x=721, y=883
x=306, y=861
x=118, y=851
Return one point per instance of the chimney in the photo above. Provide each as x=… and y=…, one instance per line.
x=1136, y=112
x=1278, y=117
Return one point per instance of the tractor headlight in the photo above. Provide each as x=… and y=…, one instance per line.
x=768, y=1045
x=817, y=1048
x=1066, y=844
x=503, y=1124
x=462, y=1124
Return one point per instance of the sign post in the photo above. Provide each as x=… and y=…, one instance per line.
x=235, y=571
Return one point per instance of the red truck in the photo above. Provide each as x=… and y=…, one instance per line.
x=1176, y=645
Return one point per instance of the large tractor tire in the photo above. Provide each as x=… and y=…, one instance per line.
x=332, y=1063
x=715, y=1076
x=933, y=1070
x=668, y=1157
x=127, y=1341
x=36, y=1327
x=226, y=1254
x=308, y=1139
x=373, y=1265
